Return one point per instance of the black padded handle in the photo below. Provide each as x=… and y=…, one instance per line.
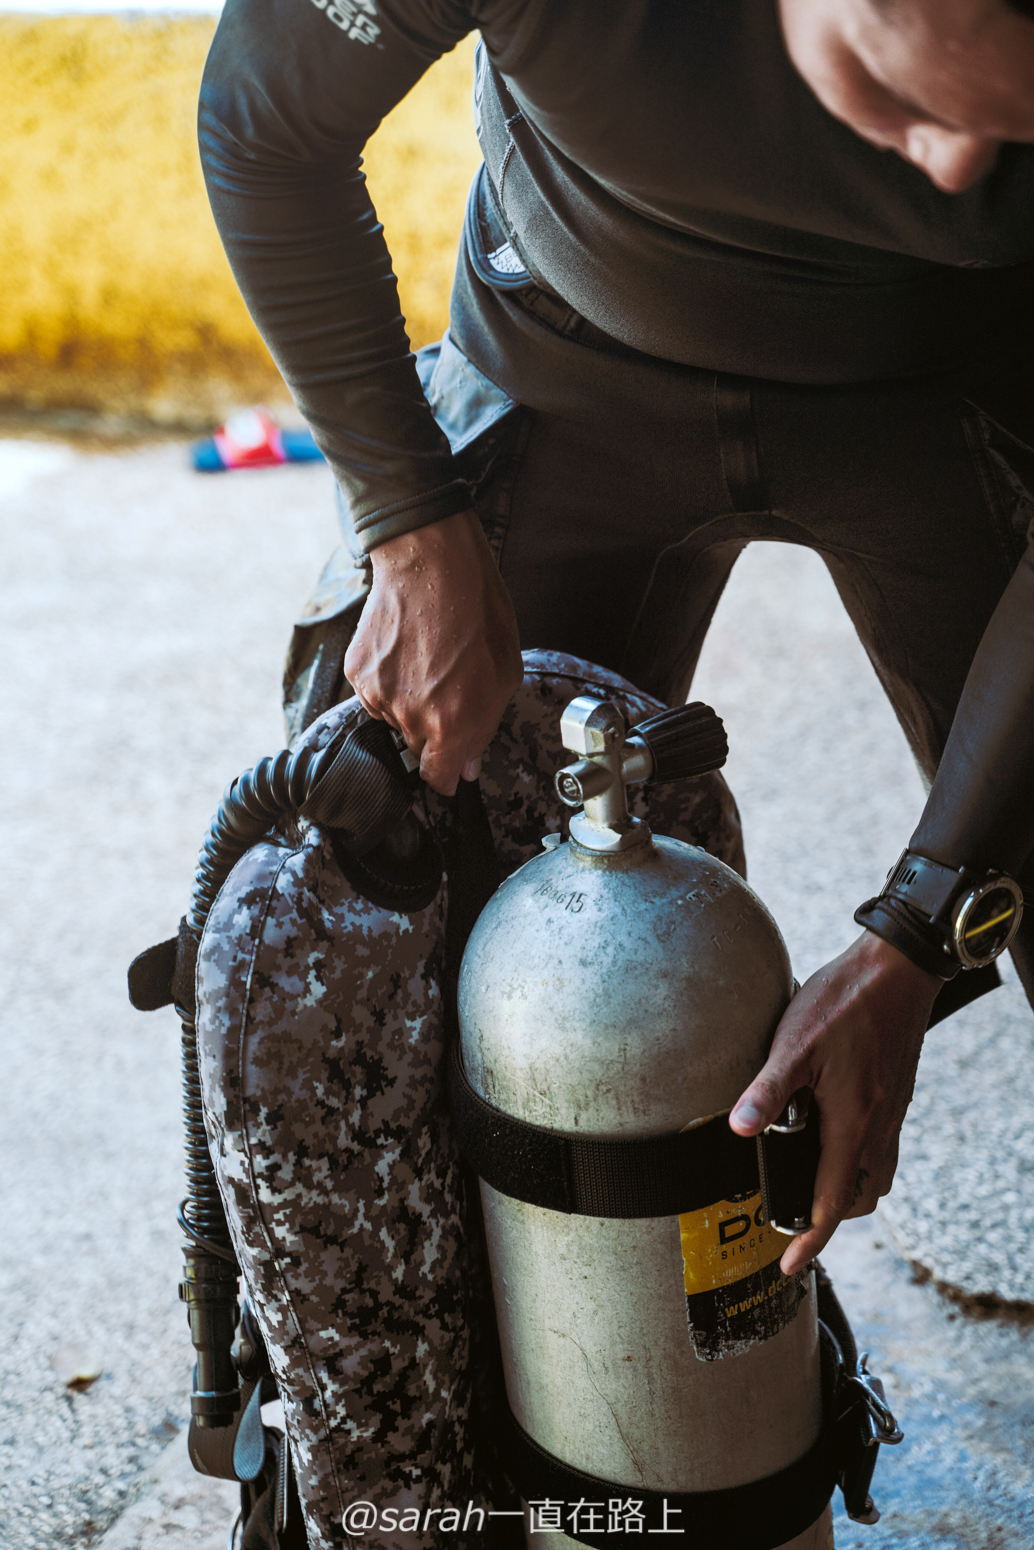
x=686, y=741
x=362, y=792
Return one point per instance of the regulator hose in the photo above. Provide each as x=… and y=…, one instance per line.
x=356, y=786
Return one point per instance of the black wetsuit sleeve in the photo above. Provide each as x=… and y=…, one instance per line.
x=291, y=92
x=980, y=812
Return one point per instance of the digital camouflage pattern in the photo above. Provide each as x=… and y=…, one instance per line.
x=320, y=1054
x=321, y=1032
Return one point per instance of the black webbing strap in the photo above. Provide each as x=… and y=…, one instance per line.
x=759, y=1515
x=164, y=975
x=665, y=1175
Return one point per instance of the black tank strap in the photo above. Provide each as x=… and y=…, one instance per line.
x=759, y=1515
x=662, y=1175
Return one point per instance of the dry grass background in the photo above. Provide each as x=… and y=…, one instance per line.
x=118, y=299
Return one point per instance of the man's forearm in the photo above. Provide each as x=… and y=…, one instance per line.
x=287, y=104
x=981, y=808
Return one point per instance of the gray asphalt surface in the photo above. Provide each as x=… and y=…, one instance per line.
x=145, y=613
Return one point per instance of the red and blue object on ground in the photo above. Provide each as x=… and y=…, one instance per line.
x=253, y=439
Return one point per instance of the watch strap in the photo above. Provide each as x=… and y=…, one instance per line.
x=910, y=933
x=925, y=886
x=923, y=907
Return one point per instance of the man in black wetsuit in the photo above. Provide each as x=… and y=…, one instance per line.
x=734, y=269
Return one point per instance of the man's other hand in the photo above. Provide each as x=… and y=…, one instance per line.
x=436, y=654
x=852, y=1034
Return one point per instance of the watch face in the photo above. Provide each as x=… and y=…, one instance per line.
x=986, y=921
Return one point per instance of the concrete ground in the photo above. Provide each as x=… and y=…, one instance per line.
x=144, y=619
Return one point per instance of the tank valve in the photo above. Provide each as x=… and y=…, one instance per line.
x=673, y=745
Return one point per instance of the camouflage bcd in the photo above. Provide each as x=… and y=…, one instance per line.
x=321, y=1028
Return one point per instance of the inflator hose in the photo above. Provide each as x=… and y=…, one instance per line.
x=355, y=786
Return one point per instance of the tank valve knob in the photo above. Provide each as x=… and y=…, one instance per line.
x=673, y=745
x=684, y=742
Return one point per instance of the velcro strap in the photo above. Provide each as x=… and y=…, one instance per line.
x=150, y=976
x=666, y=1175
x=165, y=973
x=759, y=1515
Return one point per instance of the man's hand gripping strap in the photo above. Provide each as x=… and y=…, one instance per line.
x=646, y=1176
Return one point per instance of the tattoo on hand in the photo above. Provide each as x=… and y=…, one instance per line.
x=859, y=1183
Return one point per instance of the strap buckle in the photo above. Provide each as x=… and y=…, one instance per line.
x=788, y=1160
x=867, y=1390
x=862, y=1419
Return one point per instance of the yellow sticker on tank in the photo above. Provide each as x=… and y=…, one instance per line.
x=736, y=1294
x=725, y=1242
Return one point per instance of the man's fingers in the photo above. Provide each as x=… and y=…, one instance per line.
x=382, y=713
x=436, y=653
x=767, y=1096
x=874, y=1179
x=825, y=1219
x=805, y=1247
x=368, y=698
x=828, y=1210
x=786, y=1069
x=442, y=761
x=843, y=1188
x=446, y=760
x=441, y=765
x=852, y=1035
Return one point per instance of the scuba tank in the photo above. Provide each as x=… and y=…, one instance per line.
x=616, y=996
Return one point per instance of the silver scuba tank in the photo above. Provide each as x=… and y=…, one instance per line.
x=625, y=985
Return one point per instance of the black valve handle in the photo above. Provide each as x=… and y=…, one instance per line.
x=689, y=740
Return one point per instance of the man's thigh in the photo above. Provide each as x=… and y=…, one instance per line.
x=616, y=539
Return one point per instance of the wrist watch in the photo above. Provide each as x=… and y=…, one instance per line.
x=944, y=918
